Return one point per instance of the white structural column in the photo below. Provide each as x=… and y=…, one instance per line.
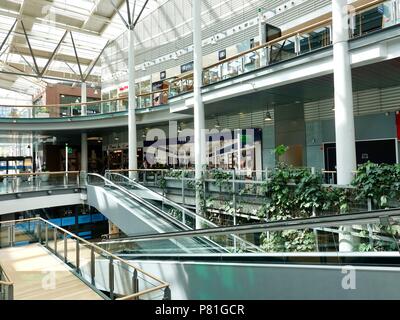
x=83, y=99
x=199, y=118
x=84, y=152
x=132, y=139
x=262, y=32
x=344, y=116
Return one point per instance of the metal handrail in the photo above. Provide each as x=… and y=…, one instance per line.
x=162, y=285
x=165, y=199
x=8, y=283
x=24, y=174
x=151, y=207
x=181, y=208
x=138, y=199
x=302, y=223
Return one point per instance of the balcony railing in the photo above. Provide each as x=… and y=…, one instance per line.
x=98, y=268
x=373, y=16
x=6, y=286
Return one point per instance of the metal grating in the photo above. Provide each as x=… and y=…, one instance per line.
x=365, y=102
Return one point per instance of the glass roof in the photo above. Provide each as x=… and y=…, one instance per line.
x=91, y=22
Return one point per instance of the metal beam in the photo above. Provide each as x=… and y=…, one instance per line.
x=26, y=61
x=90, y=68
x=119, y=13
x=128, y=9
x=53, y=54
x=8, y=34
x=70, y=68
x=62, y=26
x=38, y=76
x=140, y=14
x=76, y=56
x=134, y=10
x=30, y=48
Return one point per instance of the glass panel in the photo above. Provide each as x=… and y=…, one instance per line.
x=282, y=50
x=316, y=39
x=378, y=235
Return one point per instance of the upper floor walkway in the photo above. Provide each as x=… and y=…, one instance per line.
x=289, y=68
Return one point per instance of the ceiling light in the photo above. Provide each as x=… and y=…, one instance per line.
x=268, y=116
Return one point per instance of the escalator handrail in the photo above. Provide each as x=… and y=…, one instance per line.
x=165, y=199
x=145, y=203
x=348, y=219
x=187, y=211
x=149, y=206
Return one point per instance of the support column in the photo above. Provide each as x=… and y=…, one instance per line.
x=199, y=118
x=84, y=152
x=262, y=34
x=344, y=116
x=83, y=99
x=132, y=139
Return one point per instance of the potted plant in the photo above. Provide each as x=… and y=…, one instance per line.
x=44, y=174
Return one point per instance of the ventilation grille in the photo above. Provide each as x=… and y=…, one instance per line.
x=365, y=102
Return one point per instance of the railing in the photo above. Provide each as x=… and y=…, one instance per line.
x=6, y=286
x=293, y=44
x=366, y=231
x=230, y=197
x=25, y=182
x=65, y=110
x=91, y=263
x=176, y=211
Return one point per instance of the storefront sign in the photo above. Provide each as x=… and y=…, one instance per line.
x=187, y=67
x=222, y=55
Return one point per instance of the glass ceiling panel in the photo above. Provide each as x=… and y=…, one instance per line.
x=87, y=17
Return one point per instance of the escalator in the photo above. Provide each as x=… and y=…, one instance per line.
x=286, y=274
x=136, y=210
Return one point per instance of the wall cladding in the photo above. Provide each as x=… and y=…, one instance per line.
x=365, y=102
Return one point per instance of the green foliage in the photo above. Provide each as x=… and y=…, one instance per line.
x=280, y=150
x=221, y=177
x=289, y=241
x=378, y=182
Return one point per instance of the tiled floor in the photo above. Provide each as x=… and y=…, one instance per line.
x=39, y=275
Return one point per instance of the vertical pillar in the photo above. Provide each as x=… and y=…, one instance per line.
x=84, y=152
x=199, y=118
x=83, y=99
x=343, y=96
x=132, y=156
x=262, y=34
x=66, y=157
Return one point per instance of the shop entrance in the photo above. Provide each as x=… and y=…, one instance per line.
x=376, y=151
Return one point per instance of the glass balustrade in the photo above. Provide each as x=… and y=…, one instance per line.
x=108, y=274
x=368, y=233
x=367, y=19
x=29, y=182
